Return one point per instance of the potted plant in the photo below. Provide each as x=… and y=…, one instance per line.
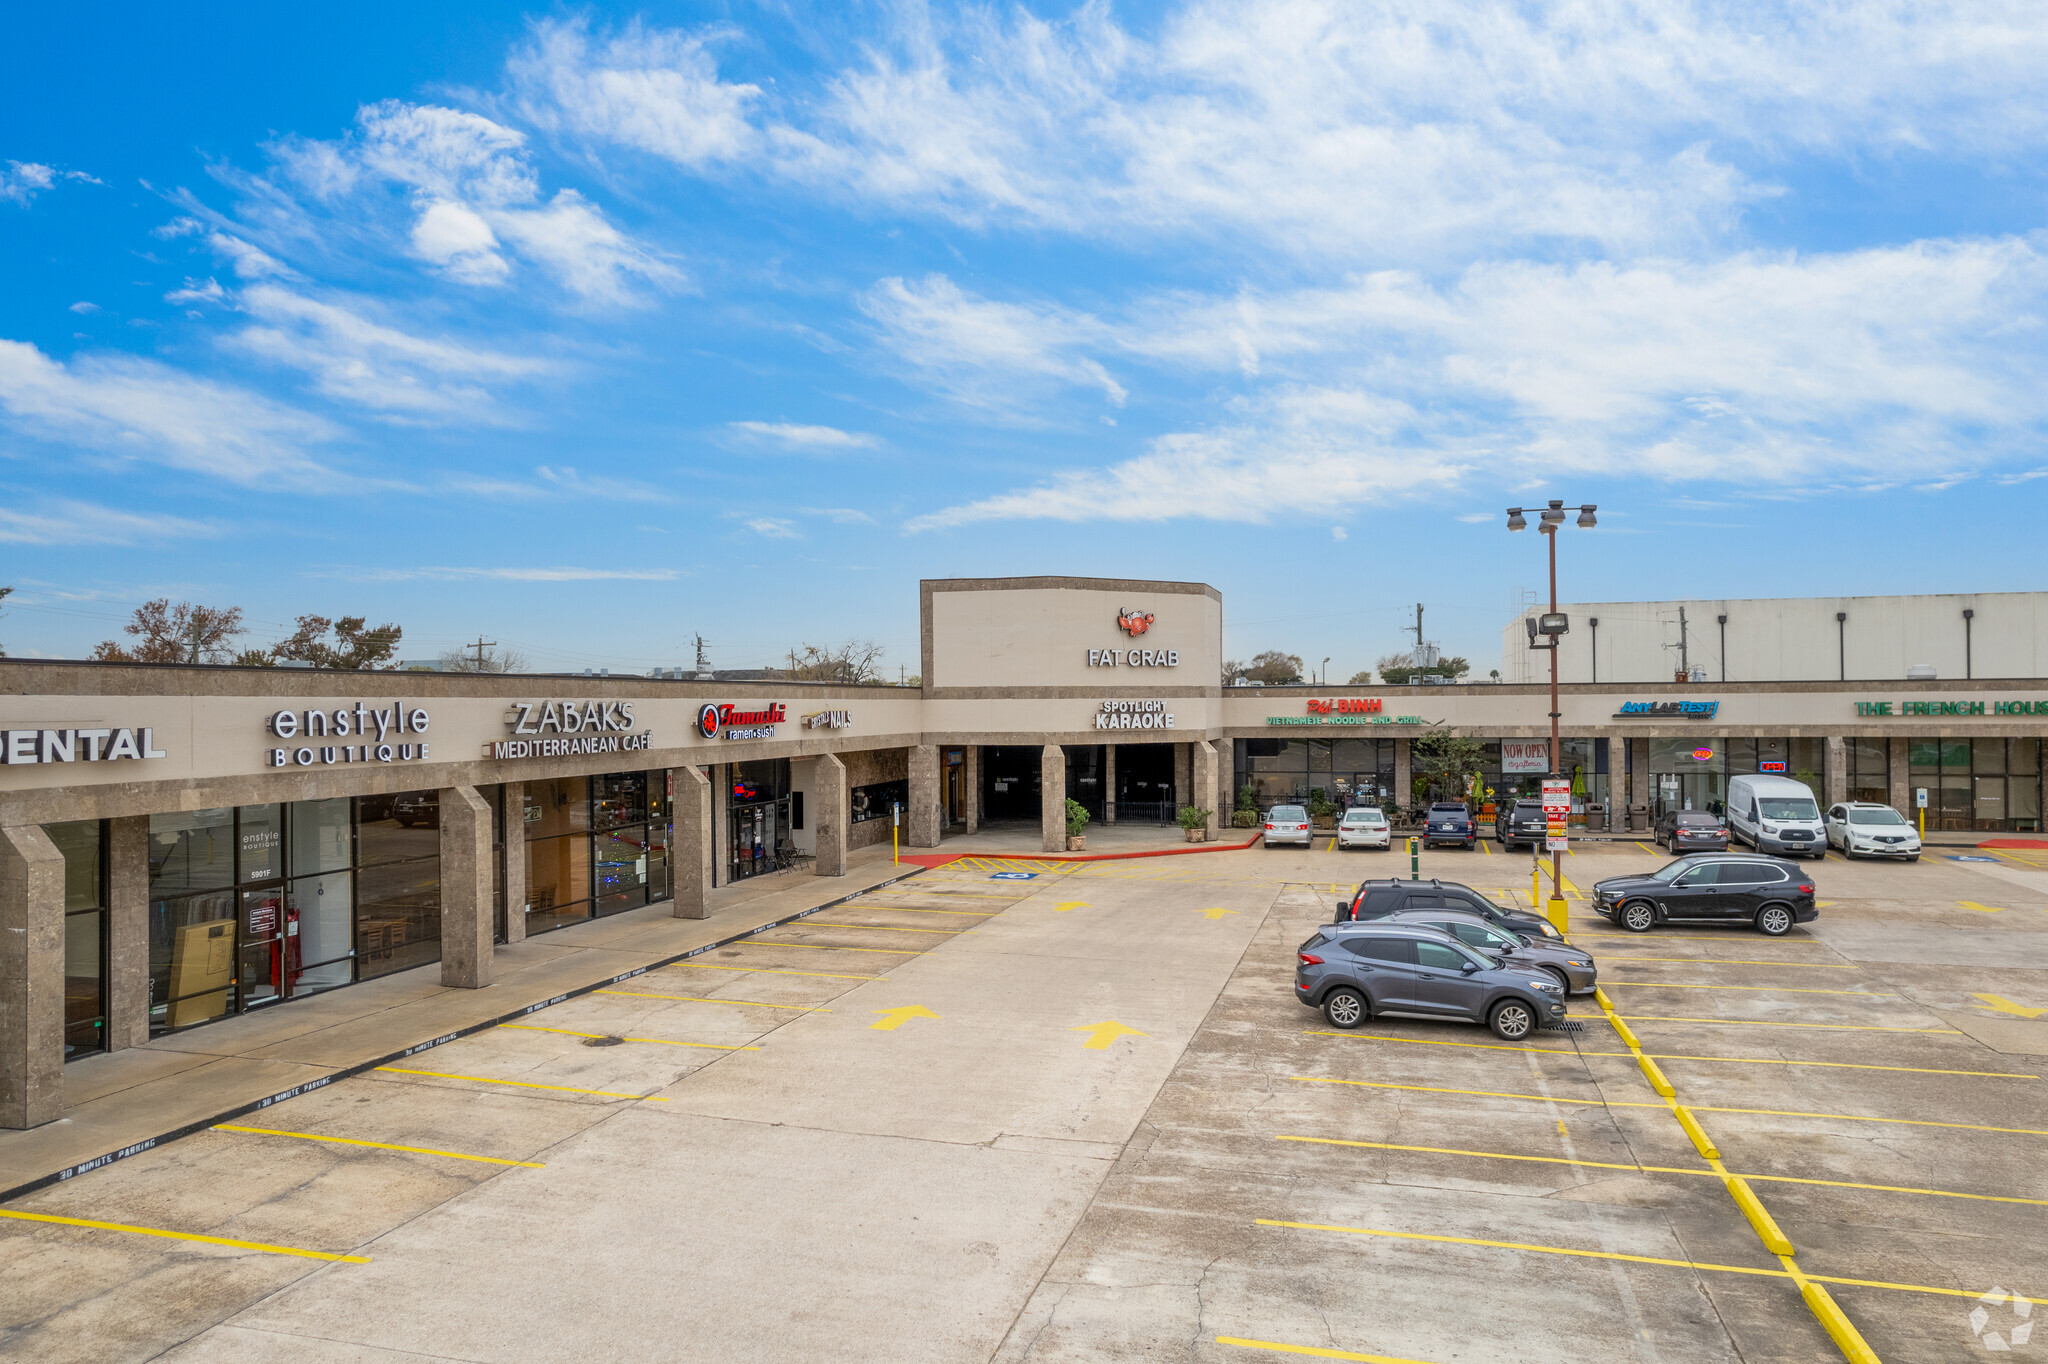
x=1077, y=820
x=1195, y=821
x=1321, y=811
x=1246, y=815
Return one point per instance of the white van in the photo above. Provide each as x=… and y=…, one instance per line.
x=1775, y=815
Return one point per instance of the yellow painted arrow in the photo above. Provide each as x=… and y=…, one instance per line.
x=1216, y=913
x=2006, y=1006
x=1070, y=904
x=1100, y=1035
x=892, y=1019
x=1981, y=909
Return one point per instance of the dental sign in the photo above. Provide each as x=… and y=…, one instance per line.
x=391, y=734
x=22, y=746
x=569, y=729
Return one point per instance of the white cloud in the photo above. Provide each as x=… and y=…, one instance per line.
x=1477, y=518
x=22, y=181
x=461, y=243
x=1339, y=534
x=65, y=521
x=977, y=349
x=653, y=90
x=197, y=291
x=810, y=439
x=83, y=307
x=122, y=406
x=773, y=528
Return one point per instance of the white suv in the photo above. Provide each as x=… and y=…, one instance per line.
x=1364, y=827
x=1865, y=829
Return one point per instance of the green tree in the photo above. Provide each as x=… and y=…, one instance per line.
x=354, y=647
x=183, y=633
x=1444, y=758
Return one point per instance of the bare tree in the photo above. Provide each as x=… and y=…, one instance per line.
x=857, y=660
x=488, y=660
x=1363, y=679
x=1273, y=668
x=183, y=633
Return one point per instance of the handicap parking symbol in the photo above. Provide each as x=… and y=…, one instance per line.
x=1954, y=858
x=1027, y=875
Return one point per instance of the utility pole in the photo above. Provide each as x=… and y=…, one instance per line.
x=481, y=645
x=1418, y=633
x=1684, y=647
x=703, y=664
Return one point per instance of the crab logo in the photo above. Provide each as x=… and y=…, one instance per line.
x=2015, y=1331
x=1134, y=623
x=707, y=722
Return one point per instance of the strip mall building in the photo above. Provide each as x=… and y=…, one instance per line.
x=184, y=844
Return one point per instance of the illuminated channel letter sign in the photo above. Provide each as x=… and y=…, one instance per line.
x=391, y=734
x=19, y=746
x=1133, y=715
x=734, y=723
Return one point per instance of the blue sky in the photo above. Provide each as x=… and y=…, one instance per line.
x=594, y=329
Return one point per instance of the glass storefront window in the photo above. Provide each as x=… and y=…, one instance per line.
x=191, y=958
x=621, y=865
x=1987, y=757
x=260, y=839
x=1870, y=774
x=398, y=916
x=557, y=881
x=191, y=850
x=323, y=836
x=595, y=846
x=83, y=843
x=318, y=914
x=618, y=798
x=1992, y=785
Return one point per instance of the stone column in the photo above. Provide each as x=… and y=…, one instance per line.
x=689, y=860
x=1836, y=777
x=1109, y=783
x=127, y=932
x=1052, y=799
x=512, y=862
x=1183, y=773
x=720, y=840
x=831, y=796
x=1205, y=793
x=972, y=761
x=31, y=978
x=927, y=813
x=1404, y=772
x=1901, y=782
x=466, y=908
x=1638, y=773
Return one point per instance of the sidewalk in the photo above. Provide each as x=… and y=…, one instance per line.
x=125, y=1102
x=1114, y=840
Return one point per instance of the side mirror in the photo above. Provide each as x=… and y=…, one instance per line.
x=1468, y=968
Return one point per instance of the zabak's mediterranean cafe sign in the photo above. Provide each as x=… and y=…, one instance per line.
x=1957, y=708
x=568, y=729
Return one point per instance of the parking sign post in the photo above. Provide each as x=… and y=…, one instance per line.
x=1920, y=803
x=1414, y=859
x=1557, y=813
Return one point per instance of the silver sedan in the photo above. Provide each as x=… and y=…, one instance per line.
x=1288, y=824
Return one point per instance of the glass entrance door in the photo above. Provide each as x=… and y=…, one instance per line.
x=753, y=834
x=263, y=960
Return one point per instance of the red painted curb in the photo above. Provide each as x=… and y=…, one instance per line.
x=2033, y=843
x=941, y=859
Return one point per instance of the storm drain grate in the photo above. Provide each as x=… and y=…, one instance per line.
x=606, y=1041
x=1566, y=1026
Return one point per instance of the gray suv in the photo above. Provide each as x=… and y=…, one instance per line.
x=1572, y=966
x=1352, y=971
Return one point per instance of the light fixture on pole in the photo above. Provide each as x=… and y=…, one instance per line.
x=1545, y=631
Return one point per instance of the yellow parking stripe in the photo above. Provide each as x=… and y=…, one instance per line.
x=768, y=971
x=1663, y=1169
x=919, y=909
x=523, y=1084
x=658, y=1041
x=1311, y=1351
x=376, y=1145
x=1632, y=1259
x=827, y=947
x=1754, y=989
x=705, y=999
x=878, y=928
x=1659, y=1056
x=1737, y=961
x=263, y=1246
x=1766, y=1023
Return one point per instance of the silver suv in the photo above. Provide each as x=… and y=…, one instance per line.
x=1352, y=971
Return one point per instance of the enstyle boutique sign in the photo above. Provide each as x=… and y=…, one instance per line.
x=352, y=723
x=21, y=746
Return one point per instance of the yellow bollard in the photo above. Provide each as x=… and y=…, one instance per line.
x=1535, y=884
x=1559, y=919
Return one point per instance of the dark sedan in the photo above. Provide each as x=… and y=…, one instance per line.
x=1685, y=831
x=1449, y=823
x=1766, y=893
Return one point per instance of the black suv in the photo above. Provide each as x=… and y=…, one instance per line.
x=1767, y=893
x=1520, y=821
x=1377, y=899
x=1449, y=823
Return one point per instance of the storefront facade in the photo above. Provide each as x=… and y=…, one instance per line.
x=182, y=845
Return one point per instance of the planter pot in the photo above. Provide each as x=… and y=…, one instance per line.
x=1076, y=842
x=1197, y=835
x=1325, y=821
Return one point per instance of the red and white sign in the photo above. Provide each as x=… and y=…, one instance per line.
x=758, y=723
x=1557, y=809
x=1524, y=757
x=1348, y=705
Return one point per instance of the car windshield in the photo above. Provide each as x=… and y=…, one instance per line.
x=1670, y=870
x=1882, y=814
x=1794, y=808
x=1285, y=813
x=1363, y=817
x=1698, y=819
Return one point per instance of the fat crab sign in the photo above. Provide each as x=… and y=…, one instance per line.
x=1134, y=623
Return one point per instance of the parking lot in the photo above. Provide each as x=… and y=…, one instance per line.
x=1080, y=1117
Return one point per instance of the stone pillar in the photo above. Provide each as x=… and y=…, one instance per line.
x=720, y=840
x=1206, y=794
x=127, y=932
x=1638, y=772
x=1835, y=778
x=512, y=862
x=972, y=761
x=1109, y=783
x=1183, y=773
x=689, y=856
x=1052, y=799
x=1901, y=781
x=832, y=798
x=1403, y=774
x=927, y=813
x=466, y=908
x=31, y=978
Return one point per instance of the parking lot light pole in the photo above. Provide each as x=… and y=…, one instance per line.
x=1550, y=629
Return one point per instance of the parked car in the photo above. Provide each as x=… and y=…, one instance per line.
x=1449, y=823
x=1775, y=815
x=1685, y=831
x=1865, y=829
x=1520, y=821
x=1572, y=966
x=417, y=807
x=1378, y=899
x=1767, y=893
x=1352, y=971
x=1288, y=824
x=1364, y=827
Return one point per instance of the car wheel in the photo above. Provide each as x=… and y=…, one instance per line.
x=1512, y=1020
x=1774, y=921
x=1564, y=982
x=405, y=824
x=1638, y=916
x=1914, y=858
x=1346, y=1008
